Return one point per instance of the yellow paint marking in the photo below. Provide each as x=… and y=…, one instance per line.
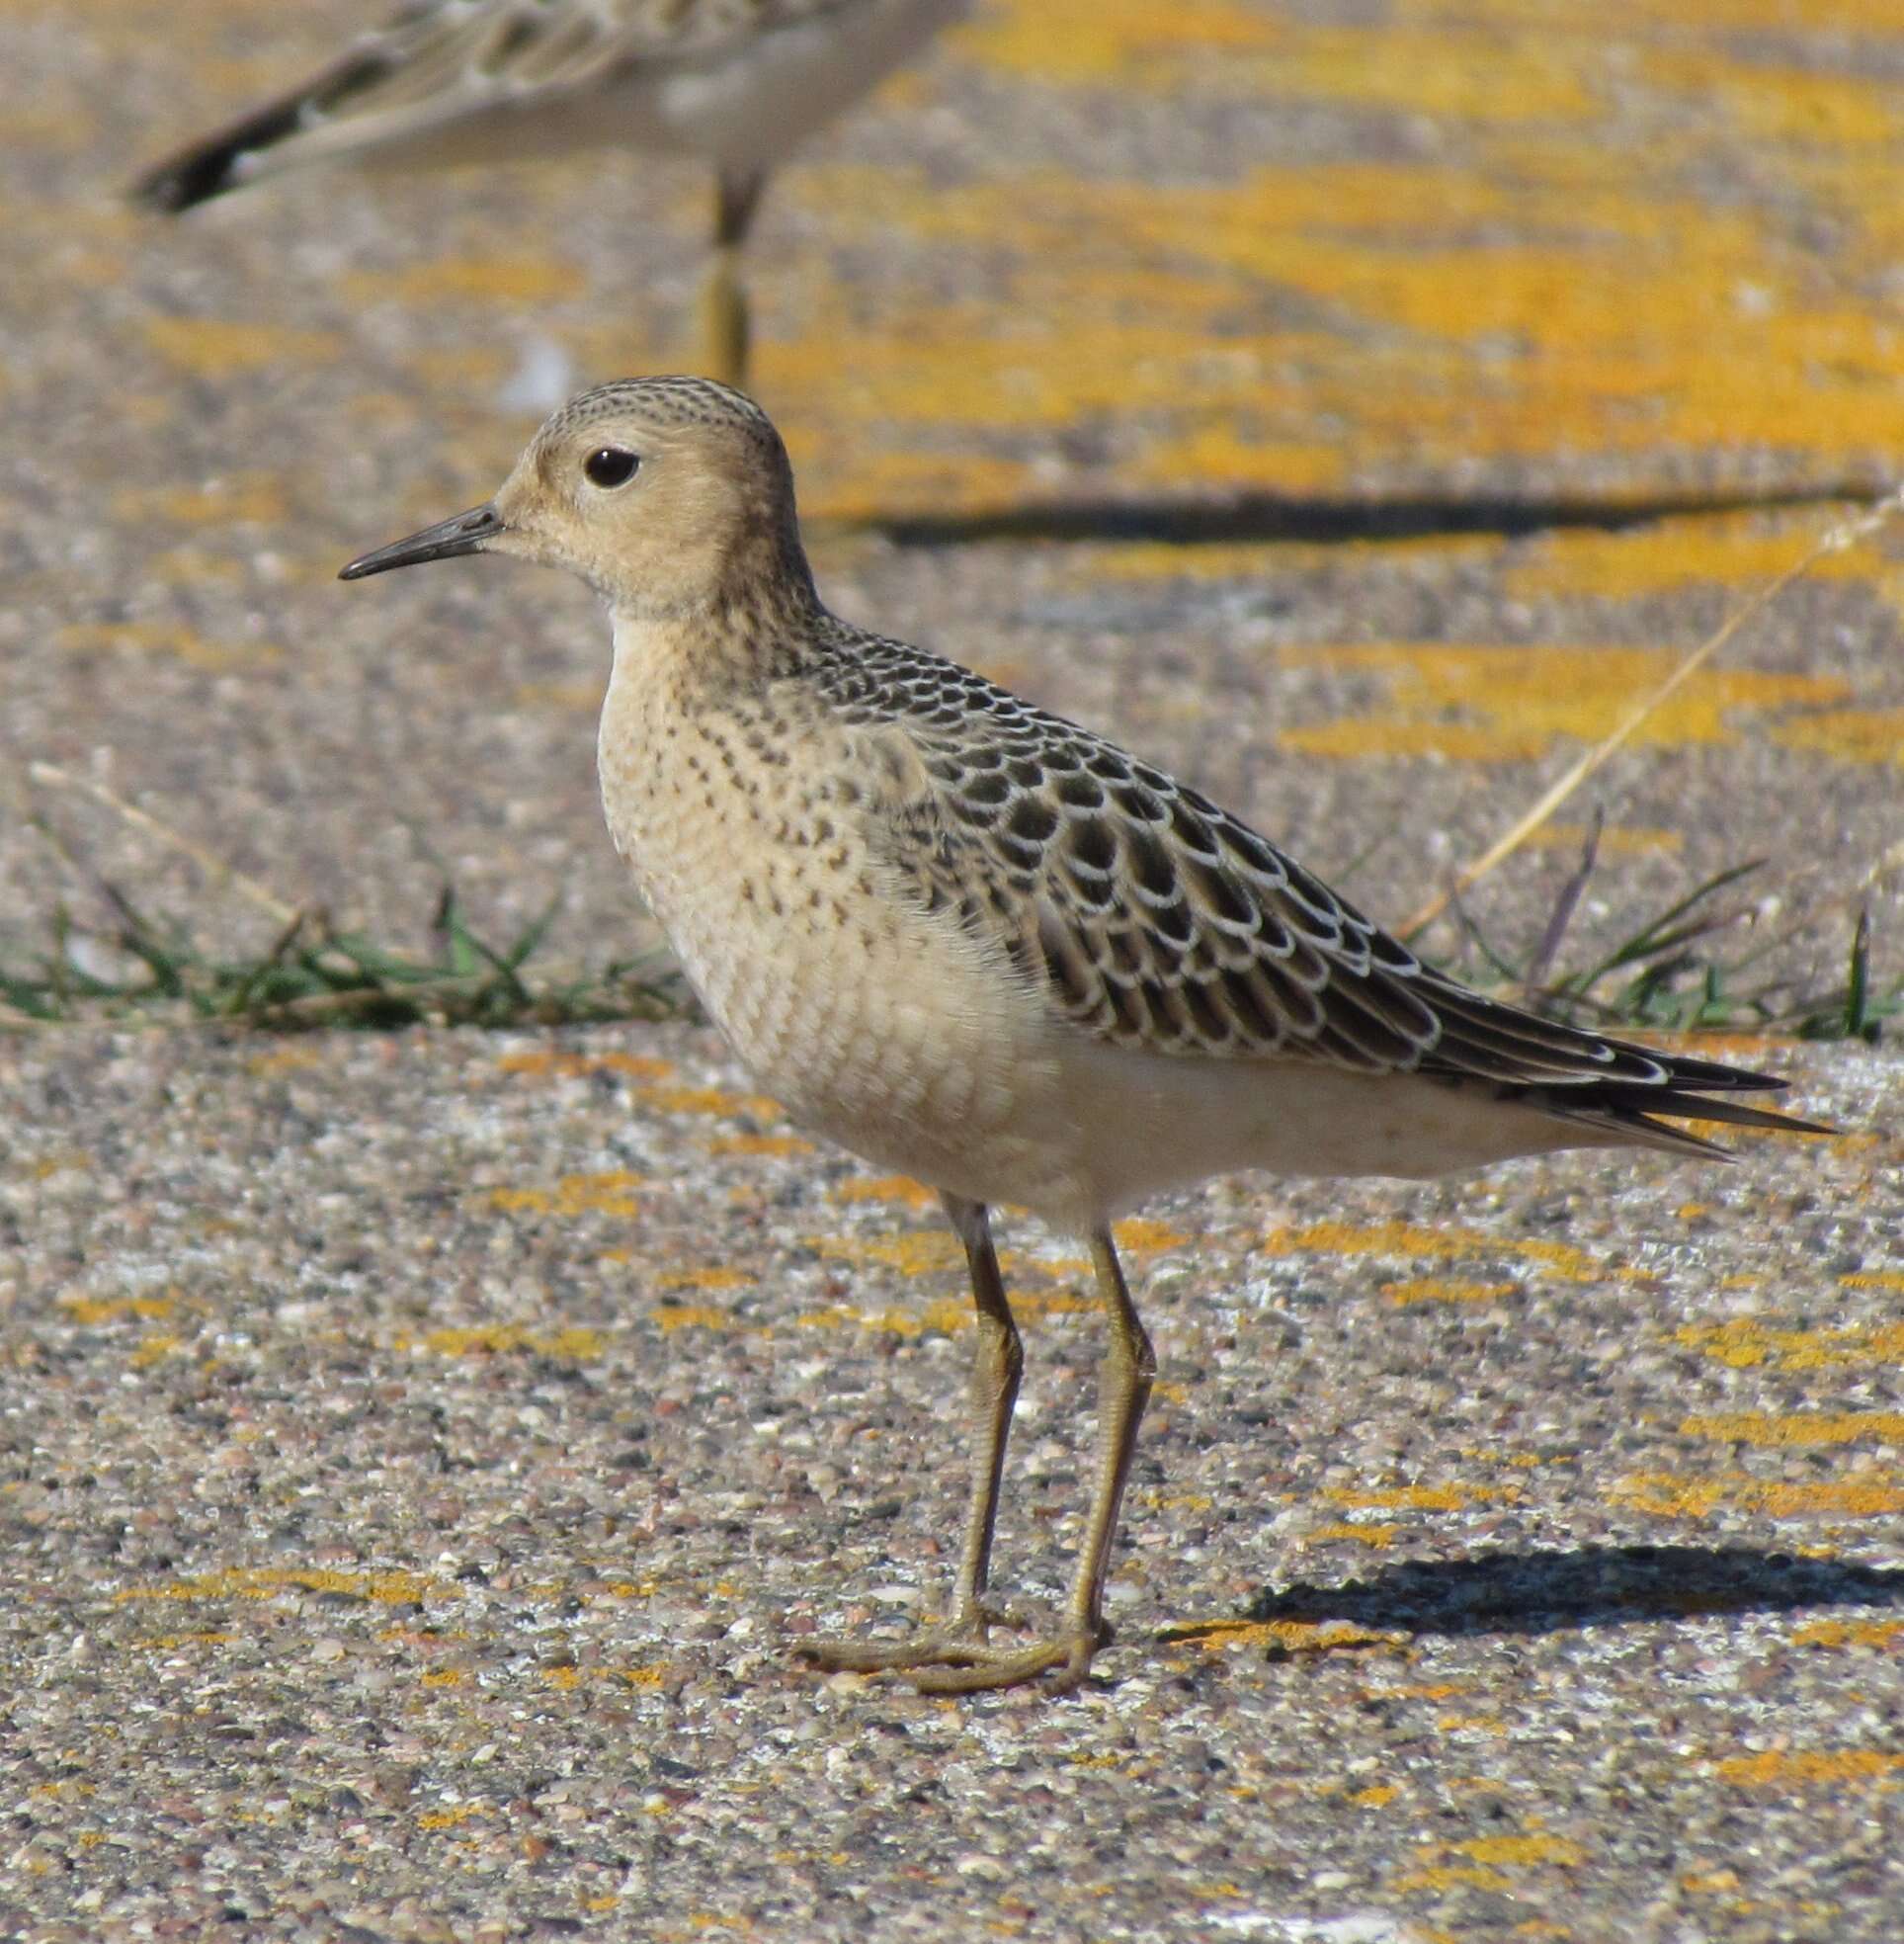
x=1290, y=1635
x=1162, y=559
x=1439, y=1289
x=443, y=1677
x=1781, y=1767
x=1472, y=74
x=780, y=1145
x=704, y=1279
x=1851, y=1633
x=95, y=1310
x=449, y=1818
x=1377, y=1794
x=638, y=1066
x=1180, y=1501
x=1800, y=1428
x=913, y=1253
x=1218, y=452
x=478, y=279
x=193, y=567
x=1521, y=1852
x=1448, y=1875
x=1709, y=1882
x=1560, y=1259
x=585, y=697
x=576, y=1345
x=1137, y=1237
x=180, y=643
x=267, y=1582
x=210, y=347
x=1129, y=42
x=880, y=481
x=1376, y=1538
x=1783, y=104
x=1066, y=1302
x=688, y=1315
x=1666, y=556
x=710, y=1100
x=887, y=1188
x=154, y=1350
x=947, y=1317
x=239, y=496
x=1852, y=735
x=1882, y=1279
x=1487, y=1857
x=1486, y=703
x=1669, y=1495
x=574, y=1194
x=286, y=1059
x=1421, y=1499
x=1747, y=1341
x=1616, y=839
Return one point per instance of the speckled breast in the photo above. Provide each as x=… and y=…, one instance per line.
x=869, y=1020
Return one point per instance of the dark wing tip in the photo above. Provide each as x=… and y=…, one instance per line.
x=213, y=165
x=193, y=176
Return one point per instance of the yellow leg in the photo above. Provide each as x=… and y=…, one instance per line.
x=997, y=1365
x=958, y=1659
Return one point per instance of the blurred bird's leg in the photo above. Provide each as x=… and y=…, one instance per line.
x=725, y=329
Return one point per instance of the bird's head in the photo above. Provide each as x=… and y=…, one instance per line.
x=668, y=495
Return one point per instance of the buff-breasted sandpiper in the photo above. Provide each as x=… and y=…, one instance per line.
x=734, y=83
x=979, y=945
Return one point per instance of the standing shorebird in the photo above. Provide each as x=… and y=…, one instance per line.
x=736, y=83
x=980, y=945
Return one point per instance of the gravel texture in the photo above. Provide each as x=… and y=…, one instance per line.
x=421, y=1452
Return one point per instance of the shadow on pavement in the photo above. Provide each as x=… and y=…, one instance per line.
x=1335, y=522
x=1595, y=1587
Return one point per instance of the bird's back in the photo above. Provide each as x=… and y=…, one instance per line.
x=913, y=898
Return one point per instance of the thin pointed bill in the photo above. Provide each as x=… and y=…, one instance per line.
x=465, y=532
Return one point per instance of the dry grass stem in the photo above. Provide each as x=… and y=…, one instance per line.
x=1847, y=534
x=215, y=868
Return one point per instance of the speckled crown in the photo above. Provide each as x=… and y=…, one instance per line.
x=669, y=402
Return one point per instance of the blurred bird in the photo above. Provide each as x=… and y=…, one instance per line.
x=736, y=83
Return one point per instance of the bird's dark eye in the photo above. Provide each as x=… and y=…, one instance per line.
x=611, y=466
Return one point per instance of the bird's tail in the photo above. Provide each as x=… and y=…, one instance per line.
x=1692, y=1090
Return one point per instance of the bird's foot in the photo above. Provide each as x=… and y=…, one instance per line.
x=961, y=1659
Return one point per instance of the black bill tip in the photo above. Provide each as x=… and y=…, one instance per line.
x=465, y=532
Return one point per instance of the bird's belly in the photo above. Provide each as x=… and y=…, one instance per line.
x=883, y=1027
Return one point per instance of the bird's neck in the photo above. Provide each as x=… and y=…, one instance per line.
x=753, y=632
